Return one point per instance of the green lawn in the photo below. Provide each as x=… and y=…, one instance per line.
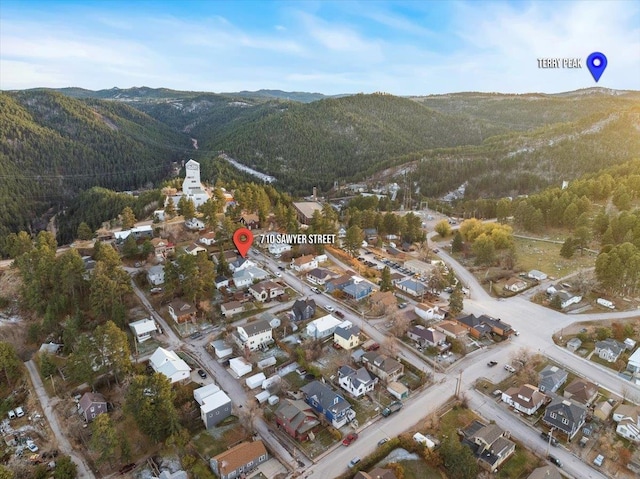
x=543, y=256
x=519, y=465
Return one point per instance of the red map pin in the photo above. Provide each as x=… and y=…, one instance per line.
x=243, y=238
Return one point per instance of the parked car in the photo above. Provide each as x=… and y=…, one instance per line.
x=554, y=460
x=599, y=460
x=281, y=268
x=278, y=274
x=12, y=414
x=156, y=290
x=19, y=411
x=329, y=308
x=315, y=290
x=32, y=446
x=196, y=335
x=545, y=436
x=510, y=368
x=382, y=441
x=402, y=305
x=349, y=439
x=373, y=347
x=492, y=363
x=354, y=461
x=339, y=314
x=202, y=374
x=516, y=332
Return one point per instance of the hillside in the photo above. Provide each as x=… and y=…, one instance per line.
x=346, y=138
x=52, y=147
x=529, y=111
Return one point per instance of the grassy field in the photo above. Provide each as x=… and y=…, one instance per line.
x=519, y=465
x=543, y=256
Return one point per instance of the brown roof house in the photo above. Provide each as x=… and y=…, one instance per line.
x=489, y=443
x=451, y=329
x=297, y=419
x=181, y=312
x=582, y=391
x=515, y=285
x=239, y=460
x=545, y=472
x=250, y=221
x=91, y=405
x=386, y=368
x=526, y=399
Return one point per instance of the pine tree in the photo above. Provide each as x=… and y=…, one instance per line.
x=568, y=248
x=128, y=218
x=170, y=209
x=385, y=280
x=456, y=301
x=456, y=244
x=84, y=232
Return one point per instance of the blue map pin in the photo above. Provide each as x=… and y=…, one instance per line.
x=596, y=63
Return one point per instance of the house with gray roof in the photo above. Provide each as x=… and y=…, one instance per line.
x=386, y=368
x=296, y=418
x=303, y=309
x=609, y=349
x=356, y=382
x=327, y=402
x=412, y=287
x=551, y=378
x=565, y=415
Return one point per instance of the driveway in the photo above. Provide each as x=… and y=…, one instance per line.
x=47, y=406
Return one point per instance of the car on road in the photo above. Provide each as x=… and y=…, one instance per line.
x=516, y=332
x=545, y=436
x=349, y=439
x=492, y=363
x=32, y=446
x=599, y=460
x=278, y=274
x=554, y=460
x=315, y=290
x=382, y=441
x=329, y=308
x=354, y=461
x=339, y=314
x=196, y=335
x=202, y=374
x=509, y=368
x=281, y=268
x=436, y=250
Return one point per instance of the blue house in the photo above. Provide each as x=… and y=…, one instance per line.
x=411, y=286
x=358, y=291
x=326, y=401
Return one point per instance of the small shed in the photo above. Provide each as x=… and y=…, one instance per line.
x=263, y=396
x=273, y=400
x=255, y=380
x=270, y=382
x=265, y=363
x=222, y=349
x=398, y=390
x=574, y=344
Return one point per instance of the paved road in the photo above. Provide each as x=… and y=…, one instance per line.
x=47, y=406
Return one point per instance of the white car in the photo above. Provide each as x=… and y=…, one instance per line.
x=19, y=411
x=329, y=308
x=510, y=368
x=32, y=446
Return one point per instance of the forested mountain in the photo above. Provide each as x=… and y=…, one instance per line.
x=301, y=96
x=532, y=110
x=52, y=147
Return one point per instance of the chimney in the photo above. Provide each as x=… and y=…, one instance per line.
x=315, y=194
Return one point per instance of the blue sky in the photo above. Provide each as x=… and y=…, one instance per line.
x=404, y=48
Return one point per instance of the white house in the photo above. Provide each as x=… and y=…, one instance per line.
x=240, y=366
x=537, y=275
x=628, y=419
x=356, y=382
x=254, y=335
x=194, y=249
x=142, y=329
x=515, y=285
x=194, y=224
x=214, y=403
x=246, y=277
x=155, y=275
x=240, y=264
x=231, y=308
x=191, y=186
x=266, y=290
x=609, y=349
x=277, y=249
x=168, y=363
x=633, y=364
x=428, y=311
x=322, y=327
x=567, y=298
x=526, y=399
x=208, y=239
x=138, y=232
x=304, y=263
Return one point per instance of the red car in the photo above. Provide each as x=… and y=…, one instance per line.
x=349, y=439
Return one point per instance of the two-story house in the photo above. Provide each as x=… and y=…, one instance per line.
x=609, y=349
x=181, y=312
x=356, y=382
x=208, y=239
x=565, y=416
x=628, y=419
x=322, y=327
x=328, y=403
x=266, y=290
x=347, y=336
x=92, y=405
x=240, y=460
x=250, y=221
x=551, y=378
x=240, y=264
x=277, y=249
x=162, y=247
x=429, y=311
x=489, y=444
x=386, y=368
x=304, y=263
x=303, y=309
x=526, y=399
x=155, y=275
x=296, y=418
x=254, y=335
x=215, y=405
